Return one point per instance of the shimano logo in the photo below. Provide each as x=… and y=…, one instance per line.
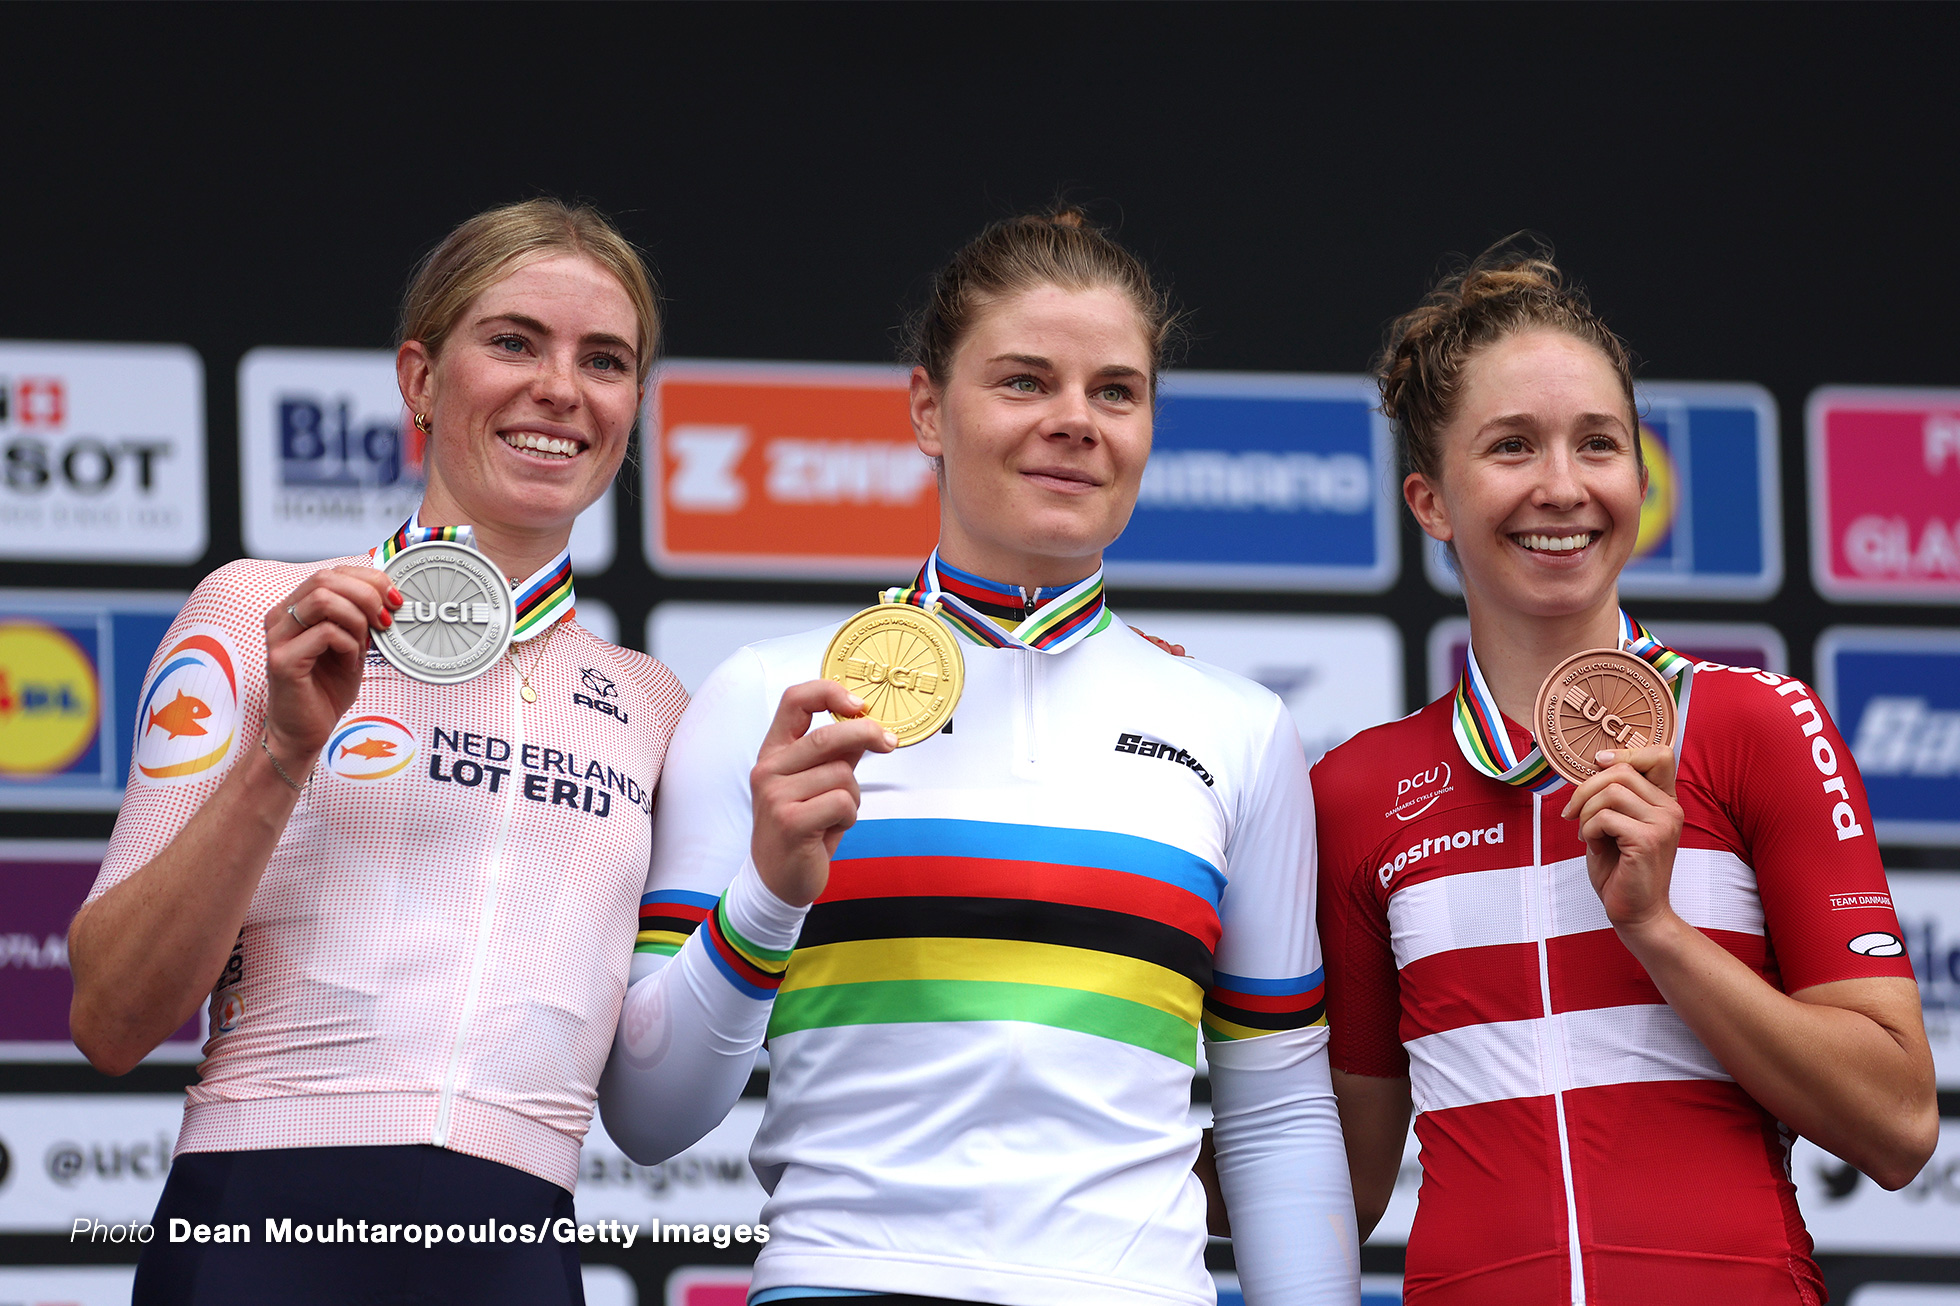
x=1241, y=482
x=1415, y=852
x=1142, y=747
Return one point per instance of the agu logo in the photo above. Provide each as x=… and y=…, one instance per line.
x=187, y=719
x=370, y=748
x=49, y=705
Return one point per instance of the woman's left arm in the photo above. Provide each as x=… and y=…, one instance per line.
x=1844, y=1063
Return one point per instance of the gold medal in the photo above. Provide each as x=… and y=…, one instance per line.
x=904, y=663
x=1602, y=698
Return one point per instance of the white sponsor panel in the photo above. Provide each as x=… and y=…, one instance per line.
x=1847, y=1212
x=330, y=463
x=597, y=616
x=1337, y=675
x=101, y=453
x=85, y=1156
x=692, y=639
x=710, y=1183
x=67, y=1285
x=1928, y=903
x=1904, y=1294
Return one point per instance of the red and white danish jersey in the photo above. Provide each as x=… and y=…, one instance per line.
x=1579, y=1143
x=438, y=948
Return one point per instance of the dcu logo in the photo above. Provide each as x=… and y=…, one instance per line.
x=187, y=719
x=49, y=704
x=370, y=748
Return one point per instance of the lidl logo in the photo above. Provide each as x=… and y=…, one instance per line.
x=187, y=717
x=50, y=701
x=34, y=401
x=370, y=748
x=1663, y=502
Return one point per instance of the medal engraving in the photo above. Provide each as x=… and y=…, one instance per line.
x=456, y=616
x=904, y=663
x=1602, y=698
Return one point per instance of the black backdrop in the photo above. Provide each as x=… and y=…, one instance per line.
x=1752, y=192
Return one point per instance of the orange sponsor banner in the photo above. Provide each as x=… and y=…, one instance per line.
x=786, y=469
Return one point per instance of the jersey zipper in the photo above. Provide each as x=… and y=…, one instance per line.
x=1557, y=1067
x=480, y=960
x=1028, y=670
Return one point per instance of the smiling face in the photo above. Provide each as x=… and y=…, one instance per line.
x=1537, y=485
x=531, y=400
x=1044, y=427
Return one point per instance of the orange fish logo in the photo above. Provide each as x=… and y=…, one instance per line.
x=370, y=747
x=180, y=716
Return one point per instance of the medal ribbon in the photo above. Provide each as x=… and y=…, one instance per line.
x=1062, y=619
x=1479, y=726
x=543, y=599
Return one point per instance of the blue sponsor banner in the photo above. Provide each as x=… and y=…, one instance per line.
x=1711, y=526
x=1896, y=697
x=71, y=670
x=1264, y=481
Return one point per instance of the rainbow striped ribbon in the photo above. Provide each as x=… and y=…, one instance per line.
x=1479, y=726
x=543, y=599
x=1050, y=620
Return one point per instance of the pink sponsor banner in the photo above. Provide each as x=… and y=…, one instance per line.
x=1885, y=494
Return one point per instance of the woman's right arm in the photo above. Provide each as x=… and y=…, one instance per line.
x=742, y=844
x=146, y=953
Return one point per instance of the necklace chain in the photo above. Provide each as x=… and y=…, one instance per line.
x=524, y=681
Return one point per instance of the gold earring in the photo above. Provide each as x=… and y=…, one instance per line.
x=422, y=423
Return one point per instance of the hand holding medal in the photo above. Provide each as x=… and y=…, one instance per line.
x=457, y=616
x=904, y=663
x=1600, y=699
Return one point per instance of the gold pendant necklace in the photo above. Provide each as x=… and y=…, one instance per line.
x=523, y=681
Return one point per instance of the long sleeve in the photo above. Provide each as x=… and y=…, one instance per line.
x=1284, y=1171
x=713, y=940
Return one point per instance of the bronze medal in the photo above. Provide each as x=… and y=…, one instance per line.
x=904, y=663
x=1602, y=698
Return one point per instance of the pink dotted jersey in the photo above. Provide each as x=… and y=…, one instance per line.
x=1579, y=1143
x=439, y=946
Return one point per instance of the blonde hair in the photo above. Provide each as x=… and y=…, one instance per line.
x=497, y=242
x=1019, y=254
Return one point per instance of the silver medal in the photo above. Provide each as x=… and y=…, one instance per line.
x=456, y=616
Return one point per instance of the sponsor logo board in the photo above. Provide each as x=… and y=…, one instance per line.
x=71, y=691
x=330, y=463
x=692, y=639
x=1264, y=481
x=1848, y=1213
x=101, y=453
x=1928, y=903
x=1711, y=525
x=1885, y=494
x=1896, y=697
x=791, y=469
x=1732, y=643
x=1337, y=675
x=42, y=882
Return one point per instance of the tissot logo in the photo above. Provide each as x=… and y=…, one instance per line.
x=602, y=692
x=1142, y=747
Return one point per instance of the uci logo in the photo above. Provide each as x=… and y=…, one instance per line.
x=187, y=718
x=370, y=748
x=49, y=707
x=1418, y=793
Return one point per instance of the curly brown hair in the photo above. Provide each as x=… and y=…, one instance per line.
x=1513, y=286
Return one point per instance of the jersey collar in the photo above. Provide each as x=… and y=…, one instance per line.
x=1045, y=620
x=1486, y=744
x=543, y=599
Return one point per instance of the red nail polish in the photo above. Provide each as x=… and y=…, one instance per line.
x=387, y=620
x=394, y=596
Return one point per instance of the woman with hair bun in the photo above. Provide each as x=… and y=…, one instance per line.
x=403, y=900
x=1613, y=1003
x=982, y=962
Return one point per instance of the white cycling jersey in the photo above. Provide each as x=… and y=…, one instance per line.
x=982, y=1036
x=438, y=946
